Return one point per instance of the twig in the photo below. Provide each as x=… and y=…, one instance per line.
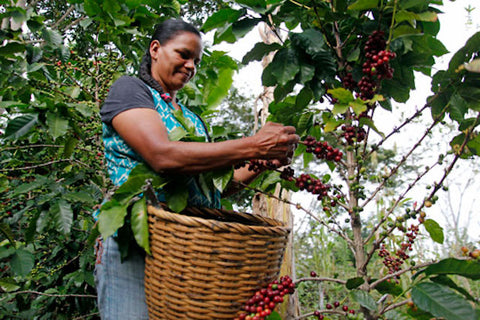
x=55, y=295
x=400, y=198
x=306, y=315
x=395, y=305
x=57, y=23
x=86, y=316
x=396, y=130
x=320, y=279
x=44, y=165
x=458, y=153
x=401, y=162
x=400, y=272
x=39, y=146
x=299, y=207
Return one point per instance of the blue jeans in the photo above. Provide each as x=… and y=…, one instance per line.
x=120, y=286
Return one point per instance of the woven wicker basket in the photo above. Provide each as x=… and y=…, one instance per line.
x=207, y=263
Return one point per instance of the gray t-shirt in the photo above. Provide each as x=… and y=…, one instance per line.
x=126, y=93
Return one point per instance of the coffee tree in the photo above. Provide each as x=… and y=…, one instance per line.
x=58, y=59
x=341, y=62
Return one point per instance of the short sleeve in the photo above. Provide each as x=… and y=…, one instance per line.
x=126, y=93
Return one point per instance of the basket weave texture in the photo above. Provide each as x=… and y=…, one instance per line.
x=206, y=263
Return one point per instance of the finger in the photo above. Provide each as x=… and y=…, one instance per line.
x=290, y=129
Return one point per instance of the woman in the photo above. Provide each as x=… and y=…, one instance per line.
x=137, y=117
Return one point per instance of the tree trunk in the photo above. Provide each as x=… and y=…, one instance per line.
x=271, y=207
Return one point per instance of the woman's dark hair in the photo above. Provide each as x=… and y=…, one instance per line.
x=164, y=32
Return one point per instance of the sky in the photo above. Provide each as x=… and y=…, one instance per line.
x=456, y=27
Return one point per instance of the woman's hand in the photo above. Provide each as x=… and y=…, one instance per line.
x=276, y=142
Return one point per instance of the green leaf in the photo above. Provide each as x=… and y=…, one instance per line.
x=139, y=221
x=304, y=97
x=221, y=178
x=466, y=268
x=221, y=18
x=111, y=217
x=474, y=145
x=369, y=123
x=220, y=90
x=274, y=316
x=11, y=48
x=332, y=124
x=398, y=315
x=32, y=227
x=177, y=134
x=7, y=232
x=4, y=183
x=256, y=5
x=63, y=215
x=21, y=125
x=446, y=281
x=69, y=147
x=260, y=50
x=385, y=287
x=284, y=65
x=359, y=106
x=435, y=230
x=176, y=195
x=457, y=107
x=364, y=299
x=8, y=284
x=27, y=187
x=224, y=33
x=339, y=108
x=304, y=122
x=185, y=122
x=441, y=301
x=22, y=262
x=354, y=55
x=91, y=7
x=57, y=125
x=354, y=283
x=12, y=104
x=205, y=183
x=80, y=196
x=363, y=5
x=271, y=178
x=242, y=27
x=136, y=180
x=343, y=96
x=52, y=37
x=465, y=53
x=111, y=6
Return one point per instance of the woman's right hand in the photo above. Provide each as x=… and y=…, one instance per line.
x=276, y=141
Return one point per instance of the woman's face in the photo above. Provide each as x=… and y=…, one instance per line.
x=174, y=62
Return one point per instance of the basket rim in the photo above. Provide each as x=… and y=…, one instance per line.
x=273, y=226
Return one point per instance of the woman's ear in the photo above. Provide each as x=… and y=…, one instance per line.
x=154, y=49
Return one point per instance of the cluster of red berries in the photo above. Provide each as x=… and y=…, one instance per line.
x=265, y=300
x=348, y=82
x=394, y=263
x=287, y=174
x=329, y=306
x=376, y=67
x=322, y=150
x=353, y=133
x=256, y=165
x=312, y=185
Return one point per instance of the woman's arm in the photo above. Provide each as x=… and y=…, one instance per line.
x=144, y=131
